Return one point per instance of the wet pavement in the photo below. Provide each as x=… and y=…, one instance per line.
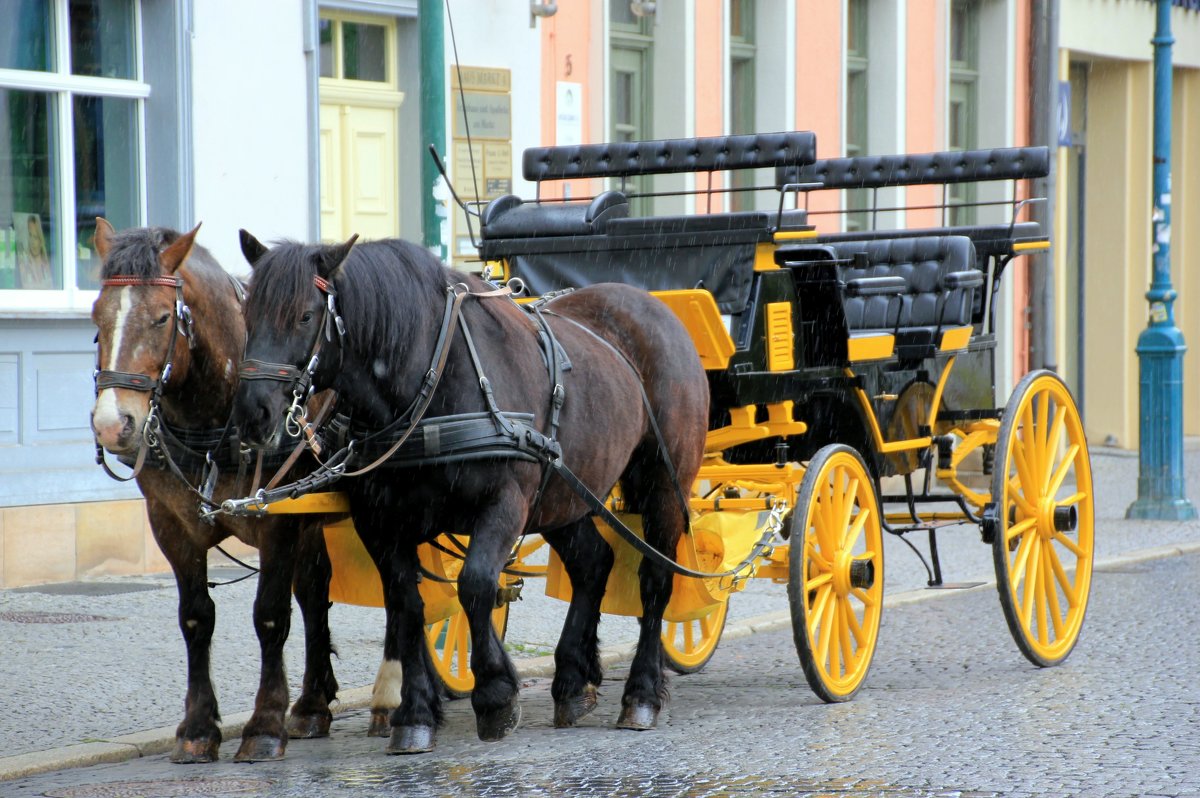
x=950, y=709
x=93, y=661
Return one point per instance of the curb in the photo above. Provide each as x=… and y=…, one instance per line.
x=153, y=742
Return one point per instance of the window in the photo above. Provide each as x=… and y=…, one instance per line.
x=355, y=50
x=741, y=91
x=71, y=99
x=964, y=101
x=856, y=200
x=630, y=58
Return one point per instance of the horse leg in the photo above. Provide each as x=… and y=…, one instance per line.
x=414, y=722
x=588, y=559
x=310, y=715
x=264, y=737
x=662, y=521
x=198, y=736
x=494, y=698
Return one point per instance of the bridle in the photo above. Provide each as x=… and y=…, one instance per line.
x=108, y=378
x=296, y=417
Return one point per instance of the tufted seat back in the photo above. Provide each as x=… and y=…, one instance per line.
x=923, y=263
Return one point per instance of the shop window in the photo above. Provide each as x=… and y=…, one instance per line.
x=70, y=146
x=742, y=52
x=631, y=40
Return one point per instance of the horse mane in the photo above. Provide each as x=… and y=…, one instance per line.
x=378, y=286
x=134, y=253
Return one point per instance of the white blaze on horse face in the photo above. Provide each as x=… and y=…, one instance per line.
x=386, y=693
x=107, y=415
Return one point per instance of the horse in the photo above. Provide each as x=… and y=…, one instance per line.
x=382, y=316
x=170, y=335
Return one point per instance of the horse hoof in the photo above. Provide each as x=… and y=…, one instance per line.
x=497, y=725
x=195, y=752
x=381, y=723
x=411, y=740
x=567, y=713
x=262, y=748
x=639, y=717
x=307, y=727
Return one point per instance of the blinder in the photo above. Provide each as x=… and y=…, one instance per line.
x=301, y=379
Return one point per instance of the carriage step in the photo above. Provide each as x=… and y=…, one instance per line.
x=954, y=585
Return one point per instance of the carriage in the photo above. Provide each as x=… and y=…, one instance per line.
x=852, y=380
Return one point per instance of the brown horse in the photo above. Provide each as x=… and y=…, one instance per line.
x=394, y=298
x=165, y=300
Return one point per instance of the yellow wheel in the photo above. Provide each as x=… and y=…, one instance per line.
x=689, y=645
x=449, y=642
x=1042, y=523
x=835, y=574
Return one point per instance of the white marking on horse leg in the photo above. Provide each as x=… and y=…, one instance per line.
x=386, y=693
x=192, y=623
x=106, y=413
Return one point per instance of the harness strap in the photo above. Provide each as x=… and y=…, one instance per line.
x=252, y=369
x=662, y=448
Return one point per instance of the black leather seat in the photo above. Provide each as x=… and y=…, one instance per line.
x=511, y=217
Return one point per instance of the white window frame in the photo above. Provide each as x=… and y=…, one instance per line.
x=62, y=87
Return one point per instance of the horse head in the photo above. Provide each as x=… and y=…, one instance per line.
x=144, y=328
x=293, y=334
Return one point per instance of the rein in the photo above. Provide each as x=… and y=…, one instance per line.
x=108, y=378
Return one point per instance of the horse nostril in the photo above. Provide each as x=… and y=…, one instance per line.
x=126, y=425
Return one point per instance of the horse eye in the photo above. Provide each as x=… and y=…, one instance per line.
x=306, y=318
x=161, y=320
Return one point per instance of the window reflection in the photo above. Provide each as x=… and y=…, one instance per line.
x=105, y=174
x=102, y=38
x=26, y=34
x=28, y=193
x=364, y=51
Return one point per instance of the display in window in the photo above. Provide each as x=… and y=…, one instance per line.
x=33, y=257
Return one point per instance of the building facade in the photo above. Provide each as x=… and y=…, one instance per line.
x=304, y=120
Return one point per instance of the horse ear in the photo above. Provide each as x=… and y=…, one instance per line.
x=174, y=256
x=332, y=257
x=252, y=248
x=104, y=232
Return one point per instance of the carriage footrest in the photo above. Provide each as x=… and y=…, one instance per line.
x=954, y=585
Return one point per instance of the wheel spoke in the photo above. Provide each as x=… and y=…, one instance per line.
x=461, y=636
x=1075, y=548
x=844, y=638
x=689, y=641
x=1025, y=472
x=1060, y=473
x=1029, y=444
x=1021, y=558
x=856, y=528
x=814, y=552
x=821, y=579
x=818, y=610
x=855, y=627
x=827, y=631
x=1018, y=497
x=863, y=596
x=1060, y=574
x=1041, y=433
x=1052, y=438
x=1039, y=596
x=1030, y=583
x=847, y=512
x=1053, y=609
x=1019, y=528
x=1074, y=498
x=706, y=625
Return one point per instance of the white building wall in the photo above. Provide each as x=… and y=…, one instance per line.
x=250, y=119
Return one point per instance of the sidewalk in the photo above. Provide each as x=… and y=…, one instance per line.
x=94, y=671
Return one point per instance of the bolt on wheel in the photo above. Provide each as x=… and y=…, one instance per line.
x=835, y=575
x=1044, y=521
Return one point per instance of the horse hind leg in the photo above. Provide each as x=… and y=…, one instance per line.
x=265, y=737
x=588, y=559
x=662, y=522
x=310, y=716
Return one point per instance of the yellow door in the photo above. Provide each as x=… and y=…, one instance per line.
x=358, y=127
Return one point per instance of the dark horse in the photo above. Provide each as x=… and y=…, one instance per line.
x=141, y=329
x=393, y=297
